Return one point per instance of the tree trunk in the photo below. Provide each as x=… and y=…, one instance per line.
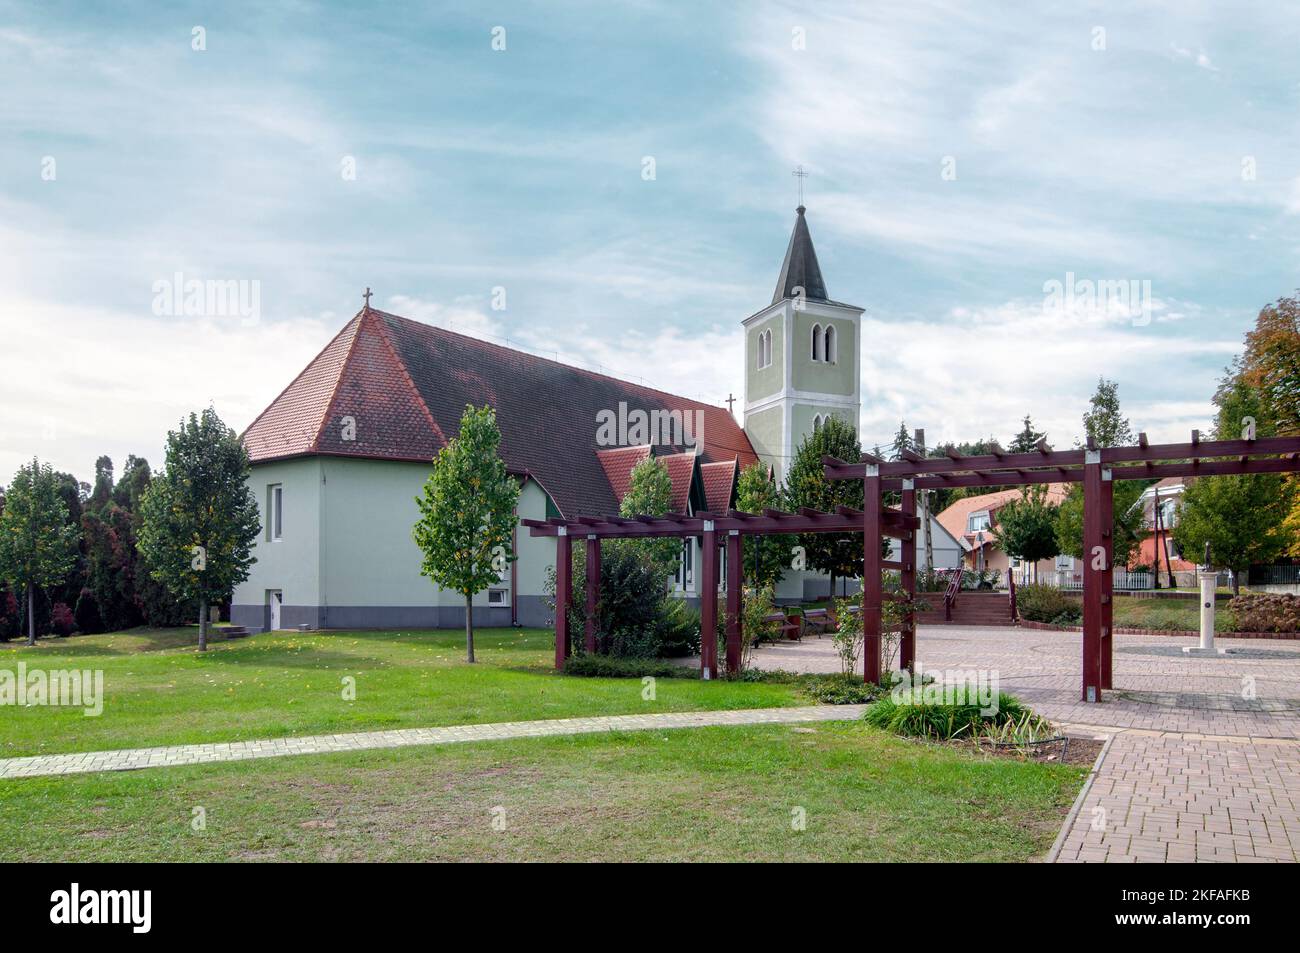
x=469, y=628
x=832, y=587
x=31, y=614
x=1236, y=583
x=203, y=624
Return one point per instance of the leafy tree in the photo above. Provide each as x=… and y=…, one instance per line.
x=198, y=517
x=1126, y=524
x=467, y=513
x=1271, y=366
x=650, y=493
x=765, y=558
x=1103, y=423
x=1241, y=517
x=806, y=485
x=1244, y=517
x=37, y=546
x=1027, y=439
x=1026, y=528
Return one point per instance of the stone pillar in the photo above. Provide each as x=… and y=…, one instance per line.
x=1208, y=579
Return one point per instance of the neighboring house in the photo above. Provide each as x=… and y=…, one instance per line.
x=1157, y=549
x=340, y=456
x=972, y=520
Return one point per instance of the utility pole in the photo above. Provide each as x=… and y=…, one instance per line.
x=923, y=509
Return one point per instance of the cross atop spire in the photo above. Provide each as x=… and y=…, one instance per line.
x=800, y=175
x=367, y=297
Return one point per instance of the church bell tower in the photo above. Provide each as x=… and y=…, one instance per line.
x=801, y=357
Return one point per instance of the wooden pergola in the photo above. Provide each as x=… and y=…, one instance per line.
x=1097, y=468
x=707, y=527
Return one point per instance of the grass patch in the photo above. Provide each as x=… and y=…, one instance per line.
x=708, y=794
x=160, y=690
x=1170, y=615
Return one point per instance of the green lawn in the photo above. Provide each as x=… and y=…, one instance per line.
x=698, y=794
x=1184, y=614
x=160, y=690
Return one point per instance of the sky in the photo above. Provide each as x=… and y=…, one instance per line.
x=611, y=184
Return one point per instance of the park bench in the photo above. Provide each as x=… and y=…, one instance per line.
x=820, y=621
x=791, y=625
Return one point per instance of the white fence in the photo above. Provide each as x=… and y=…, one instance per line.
x=1121, y=579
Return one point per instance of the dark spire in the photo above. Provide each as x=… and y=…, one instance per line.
x=800, y=268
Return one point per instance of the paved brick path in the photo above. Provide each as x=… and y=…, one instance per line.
x=134, y=758
x=1180, y=798
x=1187, y=776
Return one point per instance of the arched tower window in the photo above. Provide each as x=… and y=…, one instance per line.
x=829, y=350
x=817, y=342
x=817, y=422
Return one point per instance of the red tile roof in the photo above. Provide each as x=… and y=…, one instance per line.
x=406, y=384
x=618, y=463
x=719, y=483
x=681, y=470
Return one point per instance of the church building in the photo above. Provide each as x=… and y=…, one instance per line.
x=340, y=456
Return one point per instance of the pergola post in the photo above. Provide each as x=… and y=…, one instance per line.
x=871, y=589
x=563, y=593
x=709, y=602
x=593, y=591
x=734, y=585
x=907, y=641
x=1095, y=566
x=1107, y=647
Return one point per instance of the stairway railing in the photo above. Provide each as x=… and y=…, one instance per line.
x=950, y=596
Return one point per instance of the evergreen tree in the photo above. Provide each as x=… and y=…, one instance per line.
x=1027, y=440
x=467, y=514
x=1103, y=422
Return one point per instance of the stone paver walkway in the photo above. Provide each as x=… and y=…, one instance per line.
x=131, y=759
x=1182, y=798
x=1204, y=758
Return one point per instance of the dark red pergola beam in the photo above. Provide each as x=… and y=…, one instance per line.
x=769, y=523
x=1025, y=477
x=915, y=465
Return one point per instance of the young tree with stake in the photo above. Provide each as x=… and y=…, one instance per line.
x=37, y=545
x=198, y=516
x=467, y=514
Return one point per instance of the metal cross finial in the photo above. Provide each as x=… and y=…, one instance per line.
x=731, y=403
x=367, y=297
x=800, y=174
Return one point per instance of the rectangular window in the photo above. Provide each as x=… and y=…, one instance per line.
x=686, y=565
x=275, y=512
x=498, y=597
x=977, y=522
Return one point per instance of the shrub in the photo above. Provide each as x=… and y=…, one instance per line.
x=62, y=622
x=677, y=629
x=1039, y=602
x=906, y=714
x=847, y=638
x=1266, y=612
x=602, y=666
x=841, y=690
